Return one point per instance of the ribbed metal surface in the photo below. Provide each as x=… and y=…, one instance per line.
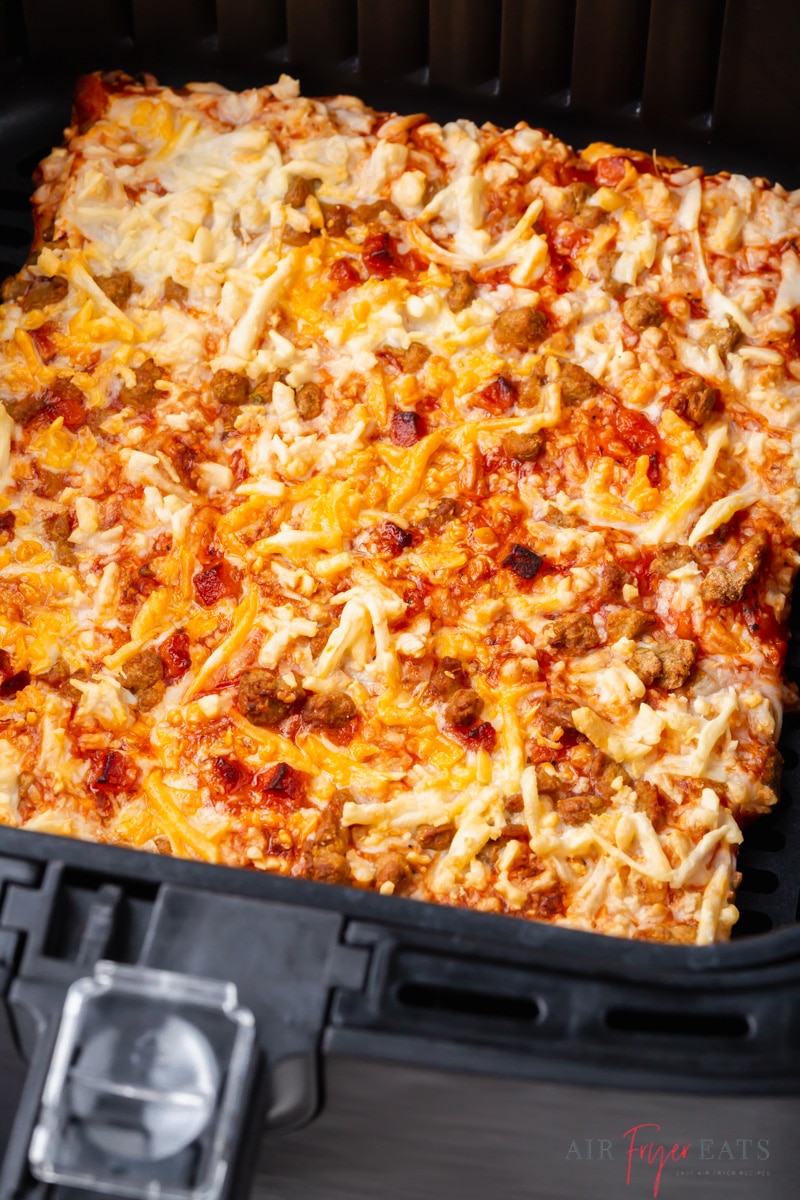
x=609, y=53
x=392, y=39
x=156, y=23
x=251, y=27
x=682, y=54
x=464, y=43
x=322, y=34
x=702, y=69
x=536, y=47
x=95, y=24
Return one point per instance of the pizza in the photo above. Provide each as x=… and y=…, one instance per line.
x=401, y=505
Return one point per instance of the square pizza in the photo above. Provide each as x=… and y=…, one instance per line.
x=401, y=505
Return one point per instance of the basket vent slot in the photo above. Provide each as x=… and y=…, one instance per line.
x=677, y=1024
x=465, y=1002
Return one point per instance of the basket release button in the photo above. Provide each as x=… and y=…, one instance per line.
x=145, y=1087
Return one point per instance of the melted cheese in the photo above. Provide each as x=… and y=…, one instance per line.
x=273, y=585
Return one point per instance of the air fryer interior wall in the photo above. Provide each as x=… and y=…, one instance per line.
x=709, y=81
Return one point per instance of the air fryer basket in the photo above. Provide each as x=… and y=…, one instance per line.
x=710, y=81
x=377, y=994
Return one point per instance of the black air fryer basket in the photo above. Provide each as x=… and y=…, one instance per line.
x=178, y=1031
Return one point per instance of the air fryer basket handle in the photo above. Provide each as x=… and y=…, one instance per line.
x=239, y=988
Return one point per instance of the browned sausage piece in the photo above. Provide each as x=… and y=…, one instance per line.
x=440, y=516
x=262, y=392
x=297, y=192
x=725, y=585
x=51, y=483
x=677, y=663
x=143, y=674
x=448, y=676
x=650, y=802
x=391, y=868
x=175, y=291
x=118, y=287
x=464, y=708
x=642, y=311
x=325, y=854
x=227, y=387
x=751, y=556
x=646, y=664
x=577, y=384
x=520, y=328
x=333, y=709
x=13, y=288
x=460, y=294
x=554, y=718
x=23, y=409
x=721, y=586
x=330, y=831
x=628, y=623
x=43, y=292
x=725, y=337
x=296, y=237
x=573, y=633
x=529, y=390
x=327, y=865
x=772, y=769
x=265, y=698
x=366, y=213
x=560, y=519
x=523, y=447
x=693, y=399
x=670, y=558
x=575, y=810
x=59, y=528
x=309, y=401
x=144, y=394
x=142, y=670
x=415, y=357
x=610, y=580
x=335, y=217
x=435, y=837
x=57, y=675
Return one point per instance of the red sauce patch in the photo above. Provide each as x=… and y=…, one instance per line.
x=380, y=255
x=285, y=783
x=478, y=737
x=392, y=539
x=112, y=771
x=344, y=274
x=229, y=774
x=212, y=584
x=654, y=471
x=175, y=655
x=14, y=683
x=45, y=346
x=498, y=397
x=65, y=401
x=406, y=428
x=637, y=431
